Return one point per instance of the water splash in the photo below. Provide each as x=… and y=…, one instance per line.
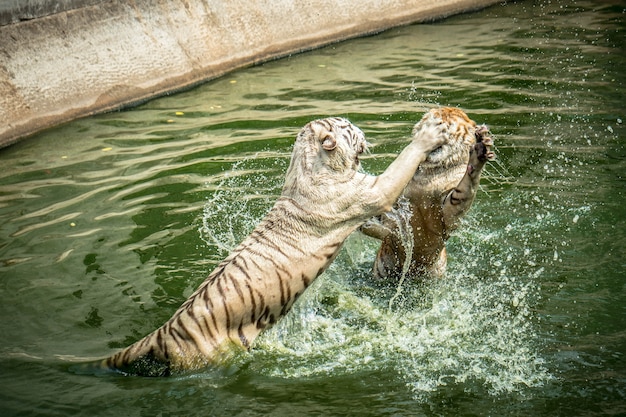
x=242, y=197
x=457, y=330
x=401, y=216
x=474, y=328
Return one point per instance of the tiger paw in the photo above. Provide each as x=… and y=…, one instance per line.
x=481, y=152
x=482, y=148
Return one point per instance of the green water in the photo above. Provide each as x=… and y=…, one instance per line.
x=107, y=224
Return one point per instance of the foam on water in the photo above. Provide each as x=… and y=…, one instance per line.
x=460, y=329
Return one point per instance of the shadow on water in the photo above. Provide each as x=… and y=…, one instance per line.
x=108, y=223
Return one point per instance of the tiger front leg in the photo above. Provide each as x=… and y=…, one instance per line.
x=458, y=201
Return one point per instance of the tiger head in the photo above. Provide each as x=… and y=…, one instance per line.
x=462, y=134
x=328, y=147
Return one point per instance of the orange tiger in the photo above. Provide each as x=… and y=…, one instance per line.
x=439, y=195
x=324, y=199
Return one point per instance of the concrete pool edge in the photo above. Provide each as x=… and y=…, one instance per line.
x=114, y=54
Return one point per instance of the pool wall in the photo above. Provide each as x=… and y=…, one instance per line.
x=60, y=60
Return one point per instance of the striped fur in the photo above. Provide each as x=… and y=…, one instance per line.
x=439, y=195
x=324, y=199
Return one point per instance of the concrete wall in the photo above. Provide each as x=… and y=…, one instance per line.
x=12, y=11
x=80, y=57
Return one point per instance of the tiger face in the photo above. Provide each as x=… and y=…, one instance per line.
x=440, y=193
x=461, y=137
x=333, y=144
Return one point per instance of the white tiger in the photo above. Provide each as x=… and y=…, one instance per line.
x=324, y=199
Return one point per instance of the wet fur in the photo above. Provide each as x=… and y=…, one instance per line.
x=439, y=195
x=324, y=199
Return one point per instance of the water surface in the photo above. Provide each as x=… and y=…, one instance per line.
x=108, y=223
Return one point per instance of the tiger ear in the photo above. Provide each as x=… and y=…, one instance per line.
x=328, y=142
